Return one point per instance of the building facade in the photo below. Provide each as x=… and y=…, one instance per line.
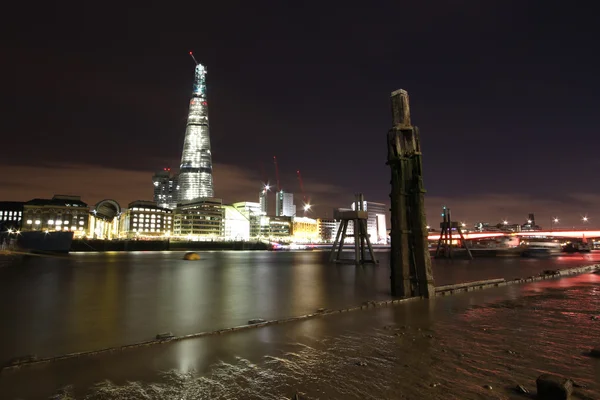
x=327, y=229
x=165, y=189
x=195, y=171
x=104, y=220
x=280, y=228
x=376, y=221
x=236, y=225
x=305, y=230
x=61, y=213
x=253, y=212
x=284, y=206
x=11, y=215
x=145, y=219
x=263, y=200
x=200, y=219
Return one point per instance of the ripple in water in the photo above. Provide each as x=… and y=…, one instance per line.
x=503, y=344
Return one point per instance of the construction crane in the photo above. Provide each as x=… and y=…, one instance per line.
x=276, y=173
x=194, y=58
x=306, y=206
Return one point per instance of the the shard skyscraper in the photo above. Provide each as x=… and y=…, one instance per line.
x=195, y=171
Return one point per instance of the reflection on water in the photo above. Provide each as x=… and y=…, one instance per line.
x=89, y=301
x=92, y=301
x=449, y=348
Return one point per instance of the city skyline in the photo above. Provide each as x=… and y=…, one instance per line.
x=499, y=102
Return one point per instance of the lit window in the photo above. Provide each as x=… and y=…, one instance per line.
x=134, y=224
x=81, y=222
x=73, y=227
x=29, y=222
x=37, y=221
x=58, y=222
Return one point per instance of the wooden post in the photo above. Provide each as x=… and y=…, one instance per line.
x=410, y=262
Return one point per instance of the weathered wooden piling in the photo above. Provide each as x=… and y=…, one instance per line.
x=410, y=261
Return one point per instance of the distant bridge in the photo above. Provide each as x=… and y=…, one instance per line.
x=553, y=233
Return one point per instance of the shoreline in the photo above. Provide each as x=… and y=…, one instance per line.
x=445, y=290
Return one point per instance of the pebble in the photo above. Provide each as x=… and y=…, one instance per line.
x=436, y=384
x=521, y=389
x=361, y=364
x=488, y=387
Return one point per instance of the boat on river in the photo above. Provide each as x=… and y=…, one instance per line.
x=44, y=242
x=541, y=248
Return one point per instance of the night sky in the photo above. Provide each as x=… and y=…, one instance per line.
x=505, y=93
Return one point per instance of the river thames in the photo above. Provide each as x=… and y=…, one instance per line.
x=89, y=301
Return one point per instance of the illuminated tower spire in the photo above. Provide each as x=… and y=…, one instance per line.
x=195, y=172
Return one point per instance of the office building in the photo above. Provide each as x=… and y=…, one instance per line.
x=195, y=171
x=263, y=200
x=253, y=212
x=280, y=228
x=200, y=219
x=11, y=215
x=305, y=230
x=165, y=189
x=236, y=224
x=376, y=221
x=61, y=213
x=327, y=229
x=145, y=219
x=284, y=206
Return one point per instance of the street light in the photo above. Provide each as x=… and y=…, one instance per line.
x=505, y=222
x=553, y=221
x=584, y=219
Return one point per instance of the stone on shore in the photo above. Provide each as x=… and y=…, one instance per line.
x=521, y=389
x=553, y=387
x=191, y=256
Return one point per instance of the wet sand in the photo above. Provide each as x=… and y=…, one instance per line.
x=449, y=348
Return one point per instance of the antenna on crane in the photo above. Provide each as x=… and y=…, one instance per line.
x=194, y=58
x=276, y=173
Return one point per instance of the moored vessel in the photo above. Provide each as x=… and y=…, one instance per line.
x=45, y=242
x=541, y=248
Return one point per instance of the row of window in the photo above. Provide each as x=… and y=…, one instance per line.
x=6, y=213
x=150, y=216
x=52, y=222
x=148, y=209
